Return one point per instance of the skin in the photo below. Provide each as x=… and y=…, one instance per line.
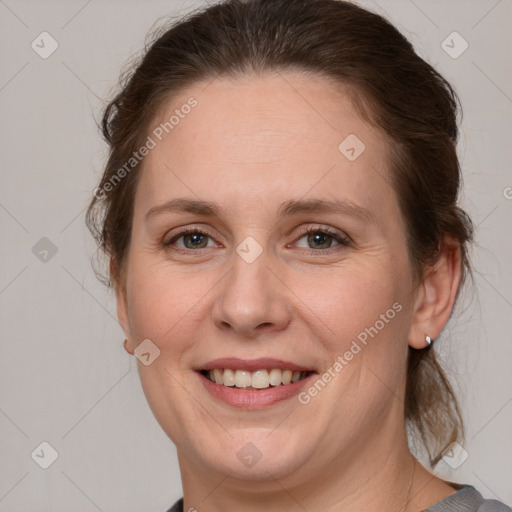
x=249, y=145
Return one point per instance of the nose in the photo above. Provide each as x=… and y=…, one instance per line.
x=252, y=300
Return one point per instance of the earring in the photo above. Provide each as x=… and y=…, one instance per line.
x=428, y=339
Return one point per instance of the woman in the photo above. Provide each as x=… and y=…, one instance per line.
x=280, y=213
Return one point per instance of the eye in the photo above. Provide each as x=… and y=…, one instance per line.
x=193, y=239
x=321, y=239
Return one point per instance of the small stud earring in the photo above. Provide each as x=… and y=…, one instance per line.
x=428, y=339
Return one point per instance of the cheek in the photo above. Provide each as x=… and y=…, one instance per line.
x=166, y=307
x=349, y=300
x=362, y=319
x=339, y=303
x=164, y=304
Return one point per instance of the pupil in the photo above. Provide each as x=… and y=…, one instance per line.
x=195, y=239
x=320, y=238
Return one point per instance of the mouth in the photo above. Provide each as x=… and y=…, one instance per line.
x=254, y=381
x=253, y=384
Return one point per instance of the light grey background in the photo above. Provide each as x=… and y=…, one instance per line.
x=64, y=376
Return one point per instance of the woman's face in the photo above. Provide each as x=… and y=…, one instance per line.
x=269, y=154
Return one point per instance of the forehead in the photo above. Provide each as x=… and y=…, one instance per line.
x=260, y=140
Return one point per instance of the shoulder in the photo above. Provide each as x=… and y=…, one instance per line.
x=467, y=499
x=177, y=507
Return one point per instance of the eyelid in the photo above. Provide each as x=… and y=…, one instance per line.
x=341, y=237
x=167, y=240
x=323, y=229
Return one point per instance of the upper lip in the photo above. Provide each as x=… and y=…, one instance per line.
x=252, y=365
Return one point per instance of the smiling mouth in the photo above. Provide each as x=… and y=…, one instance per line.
x=254, y=381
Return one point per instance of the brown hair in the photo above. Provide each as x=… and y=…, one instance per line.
x=396, y=91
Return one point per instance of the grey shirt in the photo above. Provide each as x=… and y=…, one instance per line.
x=466, y=499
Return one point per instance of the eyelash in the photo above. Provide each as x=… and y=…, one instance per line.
x=342, y=240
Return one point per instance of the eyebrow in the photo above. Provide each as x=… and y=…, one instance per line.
x=288, y=208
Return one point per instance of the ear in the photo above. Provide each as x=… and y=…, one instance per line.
x=436, y=295
x=122, y=309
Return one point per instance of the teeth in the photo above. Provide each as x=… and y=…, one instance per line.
x=286, y=378
x=217, y=376
x=275, y=377
x=242, y=379
x=228, y=378
x=260, y=379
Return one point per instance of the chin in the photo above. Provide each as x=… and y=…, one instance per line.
x=253, y=457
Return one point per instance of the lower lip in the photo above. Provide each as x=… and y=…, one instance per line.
x=247, y=399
